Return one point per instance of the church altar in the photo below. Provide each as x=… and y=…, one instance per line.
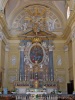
x=36, y=76
x=23, y=87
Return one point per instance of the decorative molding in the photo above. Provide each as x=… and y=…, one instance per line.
x=22, y=24
x=38, y=45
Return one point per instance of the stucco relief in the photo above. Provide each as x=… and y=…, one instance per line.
x=44, y=44
x=60, y=79
x=12, y=79
x=27, y=19
x=59, y=60
x=12, y=75
x=13, y=60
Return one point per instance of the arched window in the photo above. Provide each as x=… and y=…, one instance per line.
x=68, y=12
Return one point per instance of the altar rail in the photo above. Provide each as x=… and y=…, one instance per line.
x=40, y=97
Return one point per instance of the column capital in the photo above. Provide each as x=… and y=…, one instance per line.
x=21, y=48
x=51, y=47
x=7, y=48
x=65, y=48
x=1, y=36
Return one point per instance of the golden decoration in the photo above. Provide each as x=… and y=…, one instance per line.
x=36, y=40
x=36, y=83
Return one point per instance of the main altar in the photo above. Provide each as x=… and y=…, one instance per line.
x=36, y=85
x=36, y=72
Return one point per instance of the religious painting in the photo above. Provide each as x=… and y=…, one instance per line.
x=36, y=54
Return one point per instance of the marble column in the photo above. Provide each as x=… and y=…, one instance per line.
x=5, y=82
x=51, y=67
x=22, y=70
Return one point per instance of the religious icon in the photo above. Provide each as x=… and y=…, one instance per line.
x=36, y=54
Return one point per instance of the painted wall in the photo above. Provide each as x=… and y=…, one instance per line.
x=2, y=58
x=13, y=64
x=60, y=65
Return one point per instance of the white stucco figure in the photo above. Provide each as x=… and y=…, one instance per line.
x=50, y=24
x=24, y=26
x=59, y=61
x=44, y=44
x=13, y=60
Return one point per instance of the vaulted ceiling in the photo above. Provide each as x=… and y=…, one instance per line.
x=24, y=16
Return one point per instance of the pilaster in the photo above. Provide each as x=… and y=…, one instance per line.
x=73, y=55
x=5, y=83
x=66, y=64
x=1, y=38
